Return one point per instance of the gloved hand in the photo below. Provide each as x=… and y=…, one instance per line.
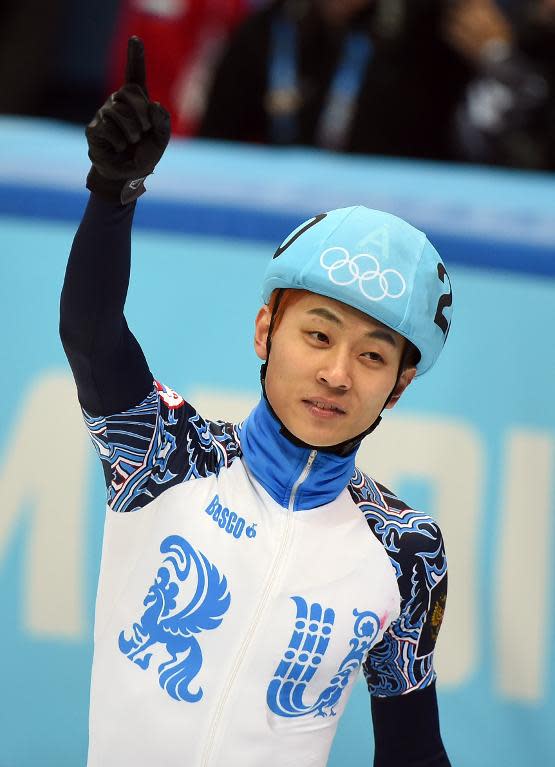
x=128, y=134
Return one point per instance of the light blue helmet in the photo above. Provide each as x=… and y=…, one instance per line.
x=374, y=262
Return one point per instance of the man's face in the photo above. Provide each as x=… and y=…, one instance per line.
x=331, y=368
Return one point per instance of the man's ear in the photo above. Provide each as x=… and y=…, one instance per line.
x=261, y=328
x=404, y=380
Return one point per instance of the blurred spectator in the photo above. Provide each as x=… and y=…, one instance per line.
x=27, y=51
x=372, y=76
x=507, y=114
x=182, y=41
x=53, y=56
x=82, y=42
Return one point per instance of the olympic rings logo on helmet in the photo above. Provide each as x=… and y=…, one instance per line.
x=373, y=283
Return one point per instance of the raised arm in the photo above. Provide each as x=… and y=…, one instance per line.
x=127, y=137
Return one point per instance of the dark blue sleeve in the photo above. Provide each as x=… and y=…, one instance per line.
x=406, y=730
x=399, y=670
x=108, y=365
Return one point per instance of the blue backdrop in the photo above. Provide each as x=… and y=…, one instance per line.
x=472, y=442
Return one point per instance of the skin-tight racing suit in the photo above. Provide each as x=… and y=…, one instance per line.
x=245, y=581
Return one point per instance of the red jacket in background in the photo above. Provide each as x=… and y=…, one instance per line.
x=183, y=39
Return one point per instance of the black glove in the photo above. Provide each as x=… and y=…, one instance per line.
x=128, y=134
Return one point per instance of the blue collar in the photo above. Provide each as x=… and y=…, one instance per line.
x=292, y=475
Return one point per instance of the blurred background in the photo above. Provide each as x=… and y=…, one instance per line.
x=440, y=111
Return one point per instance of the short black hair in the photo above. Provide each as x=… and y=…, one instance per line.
x=411, y=356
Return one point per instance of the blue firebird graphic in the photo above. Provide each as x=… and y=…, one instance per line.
x=163, y=624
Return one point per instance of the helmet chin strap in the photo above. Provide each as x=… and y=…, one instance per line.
x=342, y=448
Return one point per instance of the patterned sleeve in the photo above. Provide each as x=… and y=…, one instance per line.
x=159, y=443
x=403, y=660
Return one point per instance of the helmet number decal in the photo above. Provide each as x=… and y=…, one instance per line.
x=445, y=300
x=291, y=240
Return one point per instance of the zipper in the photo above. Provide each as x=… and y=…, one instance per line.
x=302, y=478
x=274, y=575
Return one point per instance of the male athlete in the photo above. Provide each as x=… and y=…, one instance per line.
x=250, y=571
